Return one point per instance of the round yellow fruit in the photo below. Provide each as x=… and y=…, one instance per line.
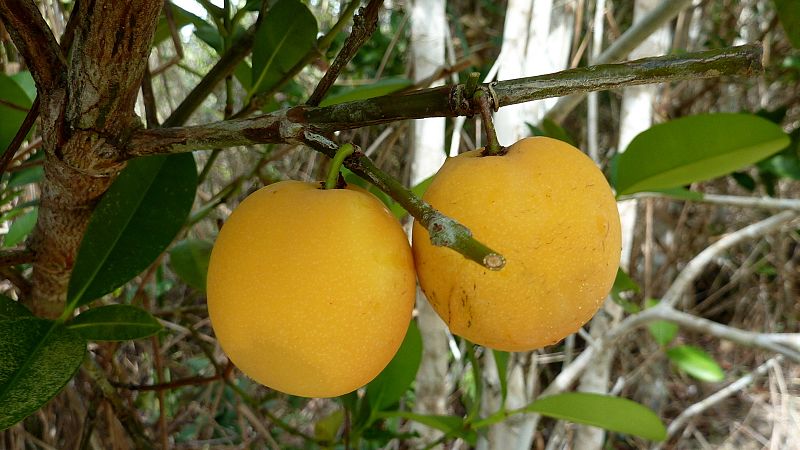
x=310, y=291
x=546, y=207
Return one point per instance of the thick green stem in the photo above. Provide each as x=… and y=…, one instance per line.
x=336, y=165
x=443, y=230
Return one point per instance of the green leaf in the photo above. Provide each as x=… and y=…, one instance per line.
x=681, y=193
x=661, y=330
x=501, y=361
x=12, y=116
x=451, y=425
x=189, y=260
x=611, y=413
x=31, y=175
x=387, y=388
x=21, y=228
x=134, y=222
x=385, y=86
x=696, y=362
x=115, y=323
x=286, y=34
x=695, y=148
x=10, y=309
x=789, y=15
x=37, y=358
x=25, y=81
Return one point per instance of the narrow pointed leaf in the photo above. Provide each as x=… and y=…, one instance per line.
x=37, y=358
x=286, y=34
x=12, y=110
x=604, y=411
x=696, y=362
x=387, y=388
x=376, y=89
x=133, y=223
x=695, y=148
x=115, y=323
x=451, y=425
x=501, y=361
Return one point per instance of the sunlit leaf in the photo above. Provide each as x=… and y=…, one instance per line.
x=696, y=362
x=695, y=148
x=611, y=413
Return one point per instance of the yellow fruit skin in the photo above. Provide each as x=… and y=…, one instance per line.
x=546, y=207
x=310, y=291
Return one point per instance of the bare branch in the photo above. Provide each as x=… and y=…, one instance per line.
x=364, y=24
x=716, y=397
x=733, y=200
x=16, y=257
x=35, y=41
x=284, y=126
x=699, y=262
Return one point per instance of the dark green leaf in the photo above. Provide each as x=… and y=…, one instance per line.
x=681, y=193
x=376, y=89
x=696, y=362
x=189, y=260
x=744, y=180
x=37, y=358
x=611, y=413
x=134, y=222
x=501, y=361
x=115, y=323
x=387, y=388
x=10, y=309
x=695, y=148
x=12, y=110
x=789, y=15
x=21, y=228
x=661, y=330
x=286, y=34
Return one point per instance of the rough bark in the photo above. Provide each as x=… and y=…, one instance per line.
x=87, y=110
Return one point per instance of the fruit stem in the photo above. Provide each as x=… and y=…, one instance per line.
x=336, y=165
x=493, y=147
x=443, y=230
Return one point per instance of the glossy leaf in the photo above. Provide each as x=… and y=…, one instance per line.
x=376, y=89
x=789, y=15
x=37, y=358
x=611, y=413
x=388, y=387
x=10, y=309
x=286, y=34
x=696, y=362
x=695, y=148
x=189, y=260
x=134, y=222
x=115, y=323
x=13, y=109
x=25, y=81
x=21, y=228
